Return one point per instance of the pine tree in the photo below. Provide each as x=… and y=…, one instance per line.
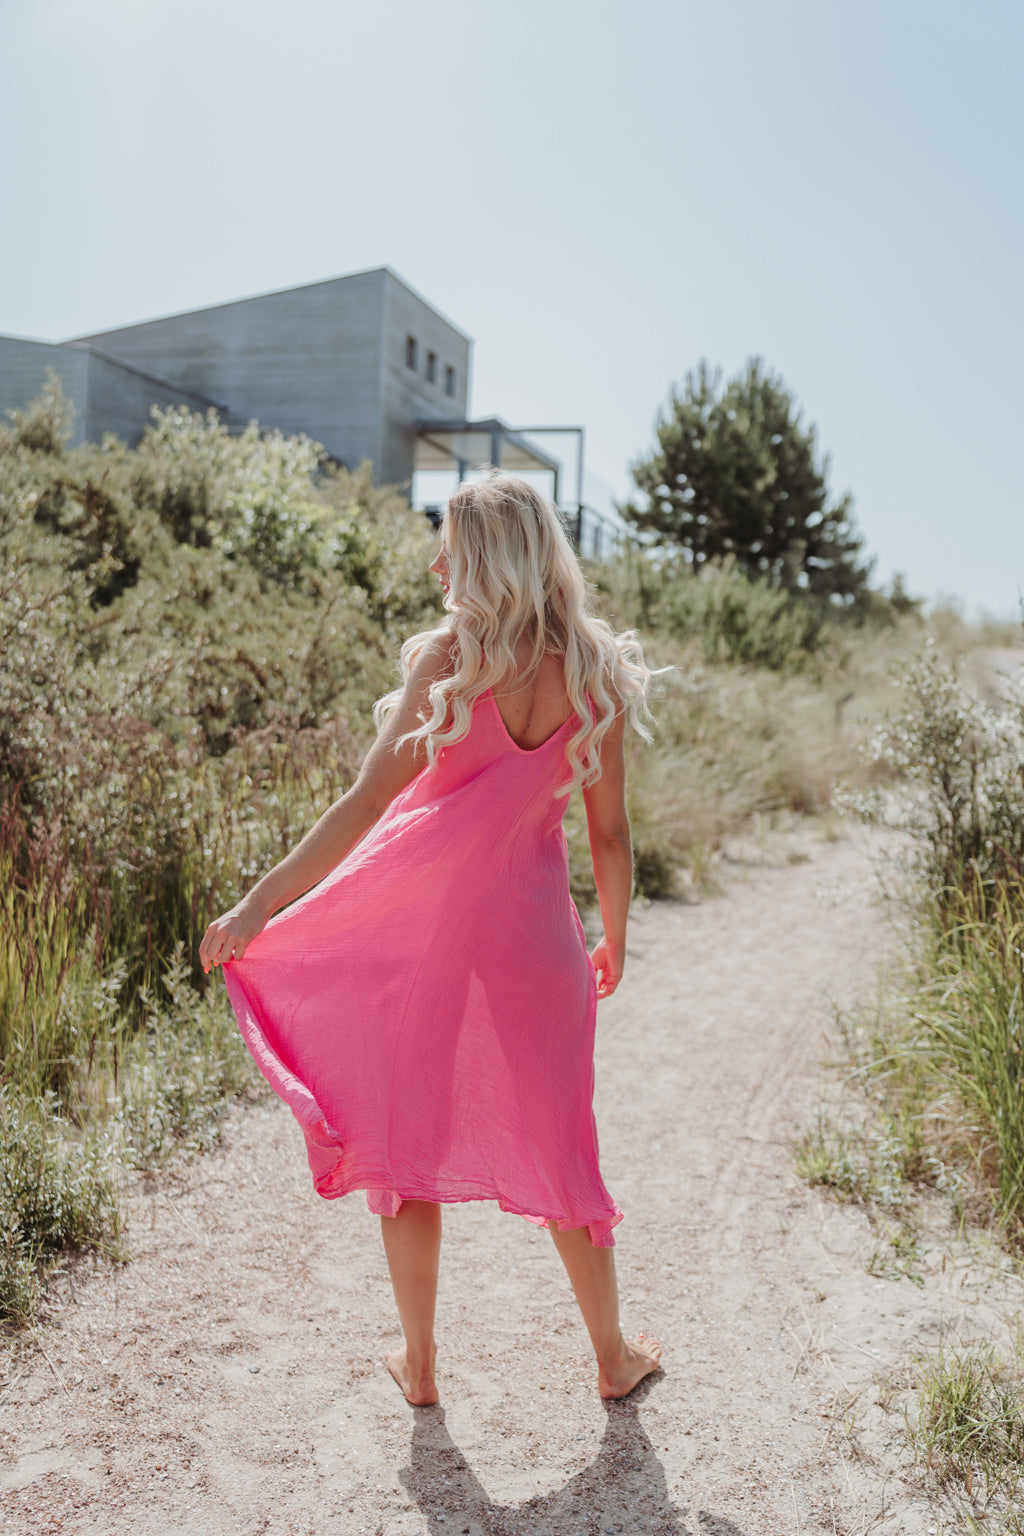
x=736, y=472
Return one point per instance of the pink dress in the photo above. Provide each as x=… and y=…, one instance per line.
x=427, y=1011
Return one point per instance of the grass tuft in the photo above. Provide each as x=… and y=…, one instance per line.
x=966, y=1428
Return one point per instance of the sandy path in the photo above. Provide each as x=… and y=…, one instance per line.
x=228, y=1381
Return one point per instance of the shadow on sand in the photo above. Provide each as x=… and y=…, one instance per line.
x=623, y=1489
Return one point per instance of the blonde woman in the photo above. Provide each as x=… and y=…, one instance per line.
x=427, y=1010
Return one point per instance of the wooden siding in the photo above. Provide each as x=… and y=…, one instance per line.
x=328, y=359
x=119, y=399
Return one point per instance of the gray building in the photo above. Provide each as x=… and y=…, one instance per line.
x=361, y=364
x=107, y=395
x=353, y=362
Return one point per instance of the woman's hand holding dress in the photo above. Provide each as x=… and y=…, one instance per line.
x=228, y=937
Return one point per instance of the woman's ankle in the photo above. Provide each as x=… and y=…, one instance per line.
x=612, y=1353
x=420, y=1362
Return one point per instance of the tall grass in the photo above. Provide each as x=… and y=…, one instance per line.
x=969, y=1018
x=944, y=1057
x=58, y=1191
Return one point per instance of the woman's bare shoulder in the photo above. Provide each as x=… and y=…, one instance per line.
x=436, y=657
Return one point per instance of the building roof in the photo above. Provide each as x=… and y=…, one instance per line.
x=446, y=444
x=323, y=282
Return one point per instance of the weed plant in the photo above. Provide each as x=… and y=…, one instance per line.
x=962, y=759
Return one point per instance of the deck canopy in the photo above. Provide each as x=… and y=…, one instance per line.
x=462, y=446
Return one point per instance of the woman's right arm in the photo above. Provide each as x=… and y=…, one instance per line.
x=611, y=850
x=386, y=771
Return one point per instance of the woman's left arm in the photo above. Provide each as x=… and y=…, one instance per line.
x=386, y=771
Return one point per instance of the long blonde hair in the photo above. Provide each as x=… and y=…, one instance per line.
x=514, y=578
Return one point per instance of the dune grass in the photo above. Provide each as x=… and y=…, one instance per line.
x=942, y=1057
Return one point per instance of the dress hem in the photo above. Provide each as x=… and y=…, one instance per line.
x=388, y=1202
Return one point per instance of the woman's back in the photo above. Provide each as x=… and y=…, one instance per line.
x=534, y=704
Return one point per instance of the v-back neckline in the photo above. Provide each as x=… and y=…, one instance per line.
x=527, y=751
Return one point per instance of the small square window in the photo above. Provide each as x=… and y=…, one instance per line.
x=449, y=381
x=410, y=351
x=431, y=367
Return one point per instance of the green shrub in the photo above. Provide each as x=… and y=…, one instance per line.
x=730, y=616
x=963, y=762
x=45, y=427
x=178, y=1069
x=185, y=631
x=57, y=1191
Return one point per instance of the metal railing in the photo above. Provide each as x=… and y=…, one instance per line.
x=596, y=535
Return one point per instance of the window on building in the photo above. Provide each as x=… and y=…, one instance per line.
x=449, y=381
x=431, y=367
x=410, y=351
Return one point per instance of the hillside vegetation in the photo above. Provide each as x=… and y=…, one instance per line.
x=192, y=635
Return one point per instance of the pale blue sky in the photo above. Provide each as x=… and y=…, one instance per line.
x=600, y=193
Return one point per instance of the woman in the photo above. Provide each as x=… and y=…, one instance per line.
x=428, y=1009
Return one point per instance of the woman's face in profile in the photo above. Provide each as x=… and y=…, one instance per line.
x=439, y=565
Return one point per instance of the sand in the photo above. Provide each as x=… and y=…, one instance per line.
x=229, y=1378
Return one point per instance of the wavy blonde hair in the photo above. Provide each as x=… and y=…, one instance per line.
x=514, y=579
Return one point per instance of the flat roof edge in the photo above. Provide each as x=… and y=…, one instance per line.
x=429, y=304
x=269, y=293
x=34, y=341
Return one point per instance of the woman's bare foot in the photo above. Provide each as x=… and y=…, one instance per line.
x=617, y=1378
x=418, y=1386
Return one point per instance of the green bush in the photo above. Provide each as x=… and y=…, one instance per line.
x=57, y=1192
x=962, y=760
x=186, y=630
x=179, y=1069
x=45, y=427
x=729, y=616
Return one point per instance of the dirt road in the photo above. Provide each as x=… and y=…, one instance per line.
x=229, y=1380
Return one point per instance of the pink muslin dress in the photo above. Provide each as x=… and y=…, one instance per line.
x=427, y=1011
